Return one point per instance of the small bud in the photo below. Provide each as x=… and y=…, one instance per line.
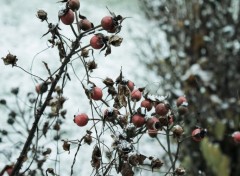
x=66, y=146
x=56, y=127
x=91, y=65
x=42, y=15
x=177, y=131
x=84, y=52
x=88, y=139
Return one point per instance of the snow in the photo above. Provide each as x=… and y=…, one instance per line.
x=22, y=36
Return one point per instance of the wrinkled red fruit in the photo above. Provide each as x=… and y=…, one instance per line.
x=153, y=123
x=81, y=119
x=96, y=42
x=130, y=85
x=198, y=134
x=146, y=104
x=152, y=133
x=85, y=24
x=68, y=17
x=136, y=95
x=74, y=4
x=161, y=109
x=181, y=100
x=236, y=136
x=96, y=93
x=138, y=120
x=107, y=23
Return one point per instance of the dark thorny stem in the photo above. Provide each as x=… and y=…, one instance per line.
x=39, y=113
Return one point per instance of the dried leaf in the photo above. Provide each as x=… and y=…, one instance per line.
x=127, y=170
x=108, y=82
x=122, y=100
x=156, y=164
x=96, y=157
x=108, y=50
x=141, y=159
x=115, y=40
x=137, y=159
x=112, y=91
x=66, y=146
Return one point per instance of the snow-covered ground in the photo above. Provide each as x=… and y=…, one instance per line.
x=21, y=34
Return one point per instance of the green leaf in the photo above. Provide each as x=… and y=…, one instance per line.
x=217, y=162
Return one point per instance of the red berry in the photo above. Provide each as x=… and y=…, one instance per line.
x=97, y=42
x=74, y=4
x=9, y=169
x=96, y=93
x=236, y=136
x=136, y=95
x=81, y=119
x=161, y=109
x=41, y=88
x=113, y=30
x=68, y=17
x=198, y=134
x=152, y=133
x=153, y=123
x=85, y=24
x=138, y=120
x=130, y=85
x=181, y=100
x=107, y=23
x=146, y=104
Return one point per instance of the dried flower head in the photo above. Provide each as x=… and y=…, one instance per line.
x=180, y=171
x=115, y=40
x=10, y=59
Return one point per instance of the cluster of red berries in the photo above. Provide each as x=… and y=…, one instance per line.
x=67, y=14
x=108, y=23
x=161, y=112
